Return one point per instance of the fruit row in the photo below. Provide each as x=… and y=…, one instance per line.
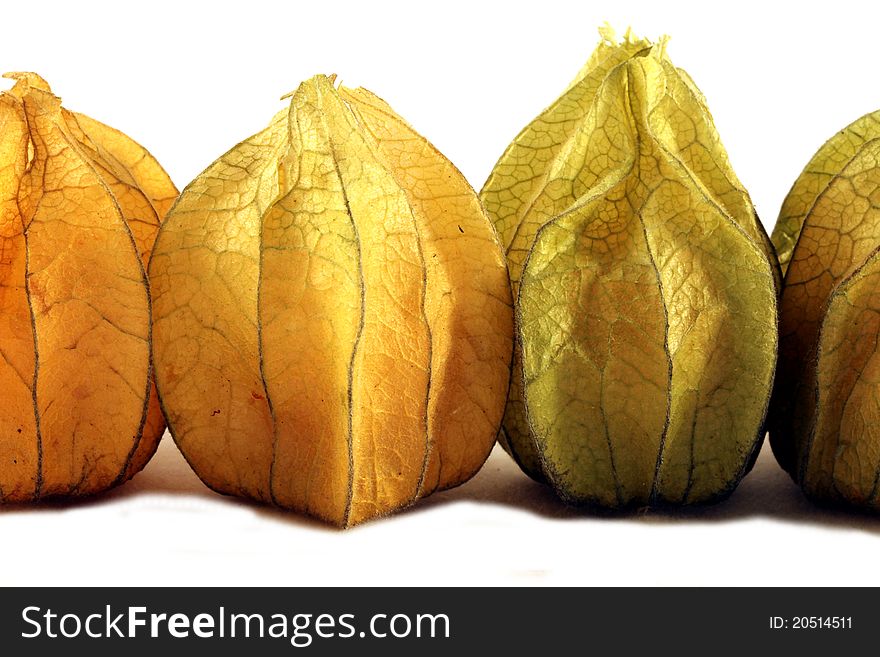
x=332, y=321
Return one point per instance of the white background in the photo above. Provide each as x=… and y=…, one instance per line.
x=189, y=80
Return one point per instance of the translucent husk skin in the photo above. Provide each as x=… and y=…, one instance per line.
x=333, y=323
x=824, y=415
x=80, y=205
x=644, y=286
